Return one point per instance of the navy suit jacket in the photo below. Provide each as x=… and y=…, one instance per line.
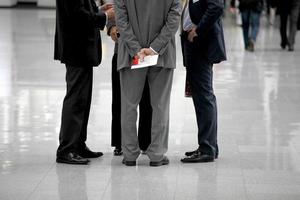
x=77, y=34
x=207, y=14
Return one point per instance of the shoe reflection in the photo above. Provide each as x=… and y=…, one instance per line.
x=140, y=182
x=72, y=182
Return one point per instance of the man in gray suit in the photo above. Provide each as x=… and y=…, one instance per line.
x=146, y=27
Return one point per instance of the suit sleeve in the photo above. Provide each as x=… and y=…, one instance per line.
x=109, y=25
x=76, y=10
x=159, y=44
x=213, y=12
x=125, y=29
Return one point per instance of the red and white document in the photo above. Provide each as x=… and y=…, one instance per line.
x=148, y=61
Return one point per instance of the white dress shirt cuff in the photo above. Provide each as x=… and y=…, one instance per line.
x=106, y=19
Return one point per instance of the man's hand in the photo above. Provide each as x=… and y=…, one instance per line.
x=110, y=14
x=192, y=35
x=146, y=52
x=106, y=7
x=113, y=32
x=140, y=55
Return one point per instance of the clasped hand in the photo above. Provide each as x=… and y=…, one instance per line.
x=145, y=52
x=192, y=34
x=113, y=32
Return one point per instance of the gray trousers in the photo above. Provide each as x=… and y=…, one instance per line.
x=293, y=21
x=132, y=84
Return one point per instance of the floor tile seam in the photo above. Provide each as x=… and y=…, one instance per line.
x=175, y=192
x=243, y=178
x=39, y=183
x=295, y=149
x=104, y=192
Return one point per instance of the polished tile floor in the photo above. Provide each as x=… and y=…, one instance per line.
x=259, y=124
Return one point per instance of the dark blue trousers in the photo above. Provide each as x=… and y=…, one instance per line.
x=200, y=76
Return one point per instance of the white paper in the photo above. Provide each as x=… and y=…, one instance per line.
x=148, y=61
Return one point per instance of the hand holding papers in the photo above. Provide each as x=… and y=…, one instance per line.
x=145, y=58
x=150, y=60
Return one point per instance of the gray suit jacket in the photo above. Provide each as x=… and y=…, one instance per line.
x=144, y=24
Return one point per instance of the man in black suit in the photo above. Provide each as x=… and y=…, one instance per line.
x=78, y=46
x=203, y=45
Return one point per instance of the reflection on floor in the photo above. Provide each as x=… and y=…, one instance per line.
x=259, y=124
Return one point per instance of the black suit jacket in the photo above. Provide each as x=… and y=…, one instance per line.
x=206, y=14
x=77, y=34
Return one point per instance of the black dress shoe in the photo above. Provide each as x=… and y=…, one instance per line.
x=291, y=48
x=118, y=152
x=283, y=45
x=198, y=158
x=250, y=46
x=128, y=163
x=87, y=153
x=72, y=158
x=190, y=153
x=143, y=152
x=164, y=161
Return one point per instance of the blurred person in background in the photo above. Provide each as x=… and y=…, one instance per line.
x=271, y=10
x=250, y=11
x=236, y=12
x=288, y=9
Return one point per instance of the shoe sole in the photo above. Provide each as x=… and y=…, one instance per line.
x=72, y=163
x=216, y=157
x=98, y=156
x=157, y=164
x=198, y=161
x=129, y=163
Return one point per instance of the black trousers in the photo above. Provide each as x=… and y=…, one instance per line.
x=76, y=109
x=200, y=76
x=283, y=27
x=145, y=112
x=289, y=11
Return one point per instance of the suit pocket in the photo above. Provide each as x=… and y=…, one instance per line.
x=91, y=39
x=217, y=27
x=197, y=44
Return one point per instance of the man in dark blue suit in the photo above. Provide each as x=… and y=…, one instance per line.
x=202, y=46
